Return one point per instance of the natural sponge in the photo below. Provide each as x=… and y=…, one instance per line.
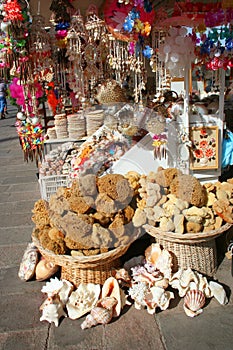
x=189, y=188
x=164, y=177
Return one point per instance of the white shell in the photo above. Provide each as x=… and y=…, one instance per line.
x=194, y=300
x=218, y=292
x=65, y=291
x=52, y=287
x=158, y=297
x=82, y=300
x=52, y=310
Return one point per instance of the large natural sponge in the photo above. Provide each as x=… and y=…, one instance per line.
x=116, y=186
x=164, y=177
x=189, y=188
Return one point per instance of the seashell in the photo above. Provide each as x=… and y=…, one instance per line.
x=65, y=291
x=111, y=288
x=28, y=263
x=122, y=275
x=152, y=253
x=218, y=292
x=45, y=269
x=98, y=315
x=160, y=259
x=52, y=287
x=52, y=310
x=194, y=300
x=107, y=302
x=82, y=300
x=158, y=297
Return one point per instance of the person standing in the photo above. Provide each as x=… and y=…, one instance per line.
x=3, y=101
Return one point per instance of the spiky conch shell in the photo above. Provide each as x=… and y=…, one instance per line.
x=52, y=310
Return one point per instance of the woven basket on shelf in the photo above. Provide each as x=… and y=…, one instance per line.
x=84, y=269
x=197, y=251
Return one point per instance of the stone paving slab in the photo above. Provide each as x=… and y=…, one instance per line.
x=11, y=255
x=24, y=206
x=32, y=339
x=9, y=196
x=134, y=329
x=211, y=330
x=15, y=235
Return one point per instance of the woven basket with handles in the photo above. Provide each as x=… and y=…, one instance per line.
x=84, y=269
x=190, y=250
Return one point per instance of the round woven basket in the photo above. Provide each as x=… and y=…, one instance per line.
x=84, y=269
x=196, y=251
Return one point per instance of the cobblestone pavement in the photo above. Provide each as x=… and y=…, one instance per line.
x=20, y=326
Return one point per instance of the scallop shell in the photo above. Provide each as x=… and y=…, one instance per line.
x=45, y=269
x=194, y=300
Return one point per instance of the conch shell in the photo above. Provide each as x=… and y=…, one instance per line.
x=161, y=259
x=194, y=300
x=100, y=314
x=52, y=310
x=111, y=288
x=82, y=300
x=45, y=269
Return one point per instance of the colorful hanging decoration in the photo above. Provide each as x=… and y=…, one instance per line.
x=131, y=22
x=214, y=47
x=31, y=139
x=159, y=144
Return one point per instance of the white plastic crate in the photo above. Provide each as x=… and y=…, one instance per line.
x=50, y=184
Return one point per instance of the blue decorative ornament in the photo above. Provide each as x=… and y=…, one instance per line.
x=134, y=14
x=128, y=25
x=62, y=26
x=229, y=44
x=147, y=51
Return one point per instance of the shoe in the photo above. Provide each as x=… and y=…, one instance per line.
x=3, y=117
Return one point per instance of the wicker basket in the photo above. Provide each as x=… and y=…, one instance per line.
x=197, y=251
x=84, y=269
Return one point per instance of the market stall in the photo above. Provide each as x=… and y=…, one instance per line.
x=124, y=159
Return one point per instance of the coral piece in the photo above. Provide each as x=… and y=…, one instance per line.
x=82, y=300
x=224, y=210
x=194, y=300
